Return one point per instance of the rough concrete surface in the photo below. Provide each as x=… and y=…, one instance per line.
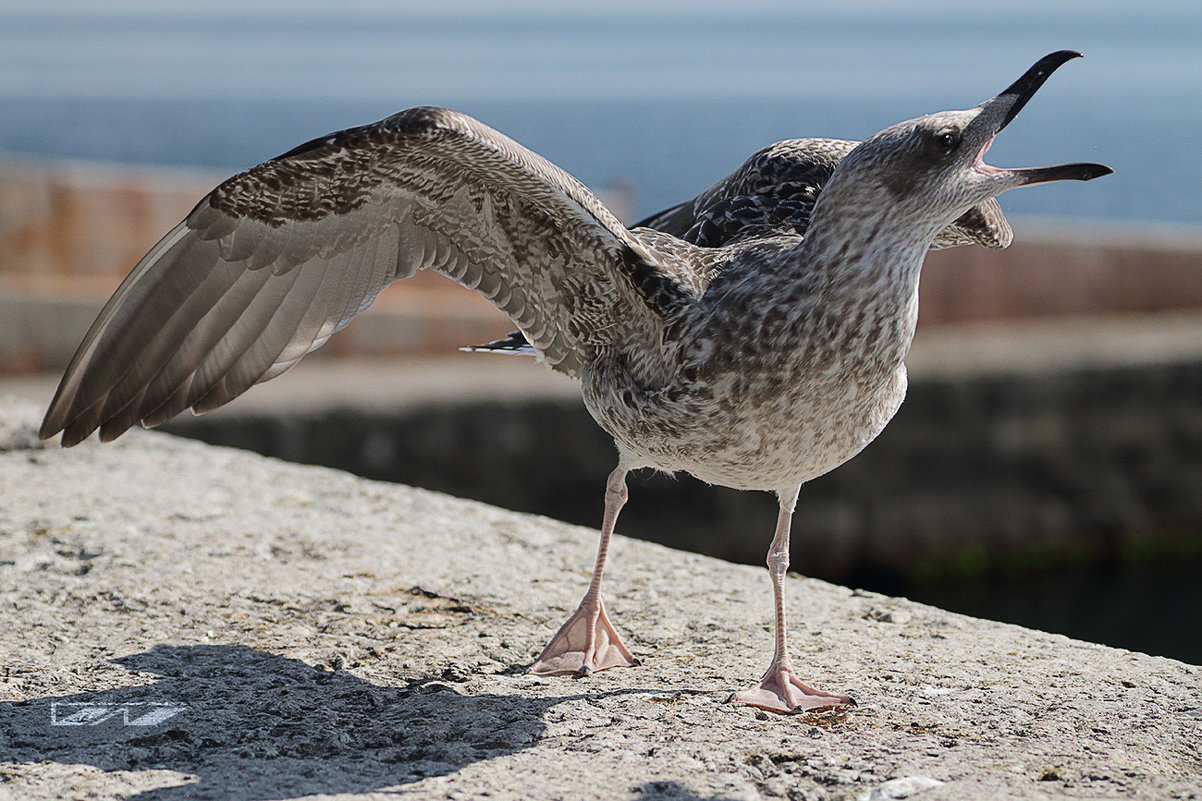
x=182, y=621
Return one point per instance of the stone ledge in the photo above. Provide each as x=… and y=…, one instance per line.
x=304, y=631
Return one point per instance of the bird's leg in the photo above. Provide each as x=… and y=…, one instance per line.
x=588, y=642
x=780, y=690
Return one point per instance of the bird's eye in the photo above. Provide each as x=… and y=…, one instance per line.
x=946, y=142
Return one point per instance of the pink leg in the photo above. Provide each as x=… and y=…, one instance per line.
x=588, y=642
x=780, y=690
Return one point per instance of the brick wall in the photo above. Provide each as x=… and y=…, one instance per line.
x=69, y=232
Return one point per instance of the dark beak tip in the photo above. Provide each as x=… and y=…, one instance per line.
x=1095, y=171
x=1026, y=86
x=1061, y=56
x=1050, y=63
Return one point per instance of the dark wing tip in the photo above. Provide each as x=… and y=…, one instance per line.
x=73, y=436
x=48, y=429
x=56, y=418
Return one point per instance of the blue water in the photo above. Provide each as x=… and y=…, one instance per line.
x=662, y=97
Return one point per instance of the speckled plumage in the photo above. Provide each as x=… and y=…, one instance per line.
x=775, y=190
x=756, y=340
x=772, y=195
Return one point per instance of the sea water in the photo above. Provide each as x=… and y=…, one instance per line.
x=658, y=98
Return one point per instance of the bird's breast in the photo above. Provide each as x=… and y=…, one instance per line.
x=746, y=424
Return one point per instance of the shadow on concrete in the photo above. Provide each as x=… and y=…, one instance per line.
x=253, y=726
x=671, y=791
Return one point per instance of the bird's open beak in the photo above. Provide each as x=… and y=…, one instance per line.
x=997, y=113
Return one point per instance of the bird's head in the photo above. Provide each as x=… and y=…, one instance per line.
x=931, y=169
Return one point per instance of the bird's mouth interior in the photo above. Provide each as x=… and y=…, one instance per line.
x=979, y=165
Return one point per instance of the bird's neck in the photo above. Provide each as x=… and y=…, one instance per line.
x=862, y=242
x=857, y=272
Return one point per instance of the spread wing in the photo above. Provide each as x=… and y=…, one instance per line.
x=279, y=257
x=775, y=190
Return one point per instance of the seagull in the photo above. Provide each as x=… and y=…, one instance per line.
x=767, y=352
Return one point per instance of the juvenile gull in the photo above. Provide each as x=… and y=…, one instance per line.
x=759, y=363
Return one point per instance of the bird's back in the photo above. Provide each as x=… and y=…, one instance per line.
x=774, y=191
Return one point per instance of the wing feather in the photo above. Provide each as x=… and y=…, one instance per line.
x=278, y=258
x=776, y=189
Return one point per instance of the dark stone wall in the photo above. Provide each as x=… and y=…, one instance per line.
x=976, y=475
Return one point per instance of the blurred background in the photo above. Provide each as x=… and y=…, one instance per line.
x=1047, y=466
